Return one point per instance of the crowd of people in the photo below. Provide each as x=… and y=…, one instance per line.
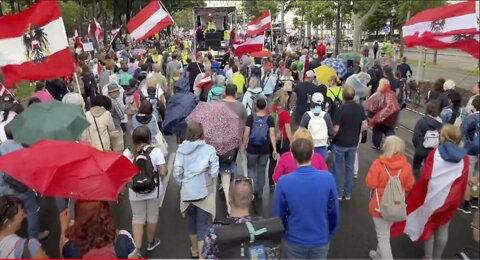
x=293, y=125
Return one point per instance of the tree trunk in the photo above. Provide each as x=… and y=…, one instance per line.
x=435, y=52
x=12, y=6
x=357, y=33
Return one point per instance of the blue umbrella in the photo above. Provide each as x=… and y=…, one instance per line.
x=337, y=65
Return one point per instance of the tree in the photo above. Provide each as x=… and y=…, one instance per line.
x=174, y=6
x=378, y=20
x=184, y=19
x=361, y=12
x=254, y=8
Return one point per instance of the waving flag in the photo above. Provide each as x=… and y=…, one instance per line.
x=96, y=30
x=249, y=46
x=150, y=20
x=434, y=198
x=451, y=26
x=34, y=45
x=259, y=25
x=205, y=81
x=78, y=42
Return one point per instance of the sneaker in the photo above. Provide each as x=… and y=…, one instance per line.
x=340, y=198
x=376, y=148
x=466, y=207
x=373, y=254
x=348, y=198
x=43, y=235
x=152, y=245
x=474, y=203
x=355, y=176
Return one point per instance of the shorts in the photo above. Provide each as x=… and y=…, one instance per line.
x=145, y=211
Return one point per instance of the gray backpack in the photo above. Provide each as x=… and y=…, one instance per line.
x=392, y=207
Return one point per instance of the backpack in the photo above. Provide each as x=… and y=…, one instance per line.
x=147, y=179
x=216, y=97
x=252, y=105
x=259, y=239
x=14, y=184
x=431, y=139
x=155, y=105
x=259, y=131
x=318, y=128
x=336, y=102
x=131, y=107
x=392, y=207
x=459, y=119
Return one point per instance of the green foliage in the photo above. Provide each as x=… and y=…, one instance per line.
x=70, y=14
x=378, y=20
x=254, y=8
x=174, y=6
x=184, y=19
x=415, y=7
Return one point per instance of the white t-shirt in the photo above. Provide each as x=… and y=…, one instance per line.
x=157, y=159
x=10, y=117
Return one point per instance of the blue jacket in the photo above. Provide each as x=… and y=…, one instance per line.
x=306, y=201
x=7, y=147
x=470, y=129
x=195, y=169
x=179, y=107
x=451, y=152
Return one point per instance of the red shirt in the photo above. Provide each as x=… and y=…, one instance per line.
x=283, y=119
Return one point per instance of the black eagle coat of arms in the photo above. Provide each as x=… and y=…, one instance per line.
x=36, y=44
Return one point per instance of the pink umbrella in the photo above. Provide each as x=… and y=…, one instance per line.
x=222, y=128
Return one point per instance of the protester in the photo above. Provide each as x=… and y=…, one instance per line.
x=162, y=82
x=240, y=199
x=259, y=142
x=392, y=162
x=286, y=164
x=41, y=92
x=269, y=81
x=303, y=93
x=348, y=122
x=437, y=90
x=146, y=118
x=383, y=111
x=101, y=123
x=145, y=204
x=453, y=113
x=426, y=134
x=232, y=102
x=6, y=115
x=448, y=86
x=116, y=109
x=194, y=68
x=56, y=87
x=283, y=129
x=93, y=234
x=218, y=88
x=252, y=95
x=172, y=66
x=394, y=84
x=73, y=97
x=124, y=76
x=476, y=92
x=404, y=68
x=319, y=123
x=239, y=80
x=306, y=202
x=12, y=245
x=196, y=169
x=471, y=139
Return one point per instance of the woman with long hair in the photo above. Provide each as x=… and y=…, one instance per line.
x=93, y=234
x=145, y=206
x=196, y=170
x=392, y=162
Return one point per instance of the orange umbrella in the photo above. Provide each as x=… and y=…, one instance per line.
x=261, y=54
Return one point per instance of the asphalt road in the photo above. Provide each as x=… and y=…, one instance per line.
x=354, y=239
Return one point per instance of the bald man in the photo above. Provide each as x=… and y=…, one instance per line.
x=240, y=198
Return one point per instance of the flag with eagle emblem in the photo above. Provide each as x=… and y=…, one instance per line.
x=34, y=45
x=451, y=26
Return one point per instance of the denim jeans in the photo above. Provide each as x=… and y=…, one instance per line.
x=344, y=159
x=290, y=251
x=323, y=151
x=257, y=165
x=30, y=207
x=198, y=221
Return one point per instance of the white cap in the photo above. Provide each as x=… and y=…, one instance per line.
x=448, y=85
x=317, y=98
x=310, y=74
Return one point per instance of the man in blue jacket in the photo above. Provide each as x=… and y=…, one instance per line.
x=306, y=201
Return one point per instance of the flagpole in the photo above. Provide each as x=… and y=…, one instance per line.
x=168, y=12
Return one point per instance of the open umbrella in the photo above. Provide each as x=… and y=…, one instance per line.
x=324, y=73
x=222, y=128
x=49, y=120
x=261, y=54
x=68, y=169
x=337, y=65
x=349, y=56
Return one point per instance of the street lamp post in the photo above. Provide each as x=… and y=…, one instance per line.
x=337, y=31
x=393, y=12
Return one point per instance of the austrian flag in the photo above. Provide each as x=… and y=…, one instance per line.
x=33, y=44
x=150, y=20
x=259, y=25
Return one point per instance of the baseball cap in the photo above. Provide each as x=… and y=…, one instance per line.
x=310, y=74
x=448, y=85
x=317, y=98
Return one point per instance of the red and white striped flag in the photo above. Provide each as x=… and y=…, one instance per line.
x=3, y=90
x=249, y=46
x=434, y=198
x=34, y=45
x=259, y=24
x=96, y=29
x=205, y=81
x=114, y=32
x=150, y=20
x=451, y=26
x=78, y=42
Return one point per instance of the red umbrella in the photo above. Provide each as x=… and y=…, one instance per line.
x=69, y=170
x=261, y=54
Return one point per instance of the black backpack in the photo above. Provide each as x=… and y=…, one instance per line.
x=335, y=103
x=147, y=179
x=260, y=239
